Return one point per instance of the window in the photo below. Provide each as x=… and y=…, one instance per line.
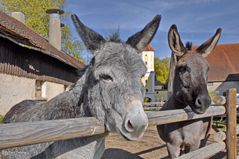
x=146, y=90
x=40, y=89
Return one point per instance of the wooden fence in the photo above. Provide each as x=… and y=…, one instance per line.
x=27, y=133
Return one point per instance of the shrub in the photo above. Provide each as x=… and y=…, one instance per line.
x=212, y=95
x=147, y=100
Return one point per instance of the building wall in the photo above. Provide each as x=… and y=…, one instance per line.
x=15, y=89
x=53, y=89
x=148, y=79
x=148, y=58
x=221, y=87
x=212, y=86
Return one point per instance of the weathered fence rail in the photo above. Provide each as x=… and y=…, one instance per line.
x=27, y=133
x=205, y=152
x=172, y=116
x=20, y=134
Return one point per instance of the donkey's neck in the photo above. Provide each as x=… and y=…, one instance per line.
x=178, y=104
x=80, y=91
x=173, y=103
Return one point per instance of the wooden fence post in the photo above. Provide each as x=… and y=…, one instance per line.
x=231, y=139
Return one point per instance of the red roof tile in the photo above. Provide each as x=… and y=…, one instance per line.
x=223, y=61
x=149, y=48
x=14, y=29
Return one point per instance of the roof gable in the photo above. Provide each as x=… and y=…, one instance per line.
x=19, y=33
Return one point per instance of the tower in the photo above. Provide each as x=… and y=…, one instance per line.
x=149, y=78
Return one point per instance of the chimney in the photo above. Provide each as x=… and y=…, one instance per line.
x=19, y=16
x=55, y=27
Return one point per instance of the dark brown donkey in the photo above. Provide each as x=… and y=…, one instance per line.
x=190, y=69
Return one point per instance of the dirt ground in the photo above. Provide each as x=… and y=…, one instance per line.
x=149, y=147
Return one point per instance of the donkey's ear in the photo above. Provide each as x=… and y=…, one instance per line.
x=141, y=39
x=206, y=48
x=174, y=41
x=91, y=39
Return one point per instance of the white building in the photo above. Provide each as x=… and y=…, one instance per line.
x=149, y=78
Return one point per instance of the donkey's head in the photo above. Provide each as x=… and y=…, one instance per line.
x=191, y=71
x=115, y=92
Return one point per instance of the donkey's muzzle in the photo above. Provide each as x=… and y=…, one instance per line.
x=135, y=122
x=202, y=102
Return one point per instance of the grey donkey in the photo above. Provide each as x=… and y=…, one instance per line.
x=190, y=72
x=110, y=90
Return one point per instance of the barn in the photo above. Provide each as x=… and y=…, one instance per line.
x=224, y=68
x=30, y=66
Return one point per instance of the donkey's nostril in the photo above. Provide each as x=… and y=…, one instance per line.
x=199, y=101
x=203, y=101
x=129, y=126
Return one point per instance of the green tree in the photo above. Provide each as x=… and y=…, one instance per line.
x=38, y=19
x=161, y=68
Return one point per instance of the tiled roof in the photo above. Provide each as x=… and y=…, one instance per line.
x=16, y=31
x=149, y=48
x=224, y=63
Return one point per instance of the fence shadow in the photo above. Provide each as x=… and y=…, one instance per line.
x=114, y=153
x=220, y=155
x=150, y=150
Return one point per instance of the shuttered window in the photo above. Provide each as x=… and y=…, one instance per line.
x=40, y=89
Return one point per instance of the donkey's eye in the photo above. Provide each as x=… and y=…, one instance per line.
x=106, y=77
x=182, y=69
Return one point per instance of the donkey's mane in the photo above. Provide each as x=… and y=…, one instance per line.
x=114, y=37
x=189, y=45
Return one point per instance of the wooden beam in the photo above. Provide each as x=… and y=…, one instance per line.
x=172, y=116
x=27, y=133
x=237, y=130
x=220, y=100
x=216, y=136
x=231, y=124
x=153, y=104
x=20, y=134
x=205, y=152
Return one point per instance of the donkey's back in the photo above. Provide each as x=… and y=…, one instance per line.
x=62, y=106
x=15, y=112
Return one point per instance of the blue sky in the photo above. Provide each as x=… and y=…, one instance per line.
x=197, y=20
